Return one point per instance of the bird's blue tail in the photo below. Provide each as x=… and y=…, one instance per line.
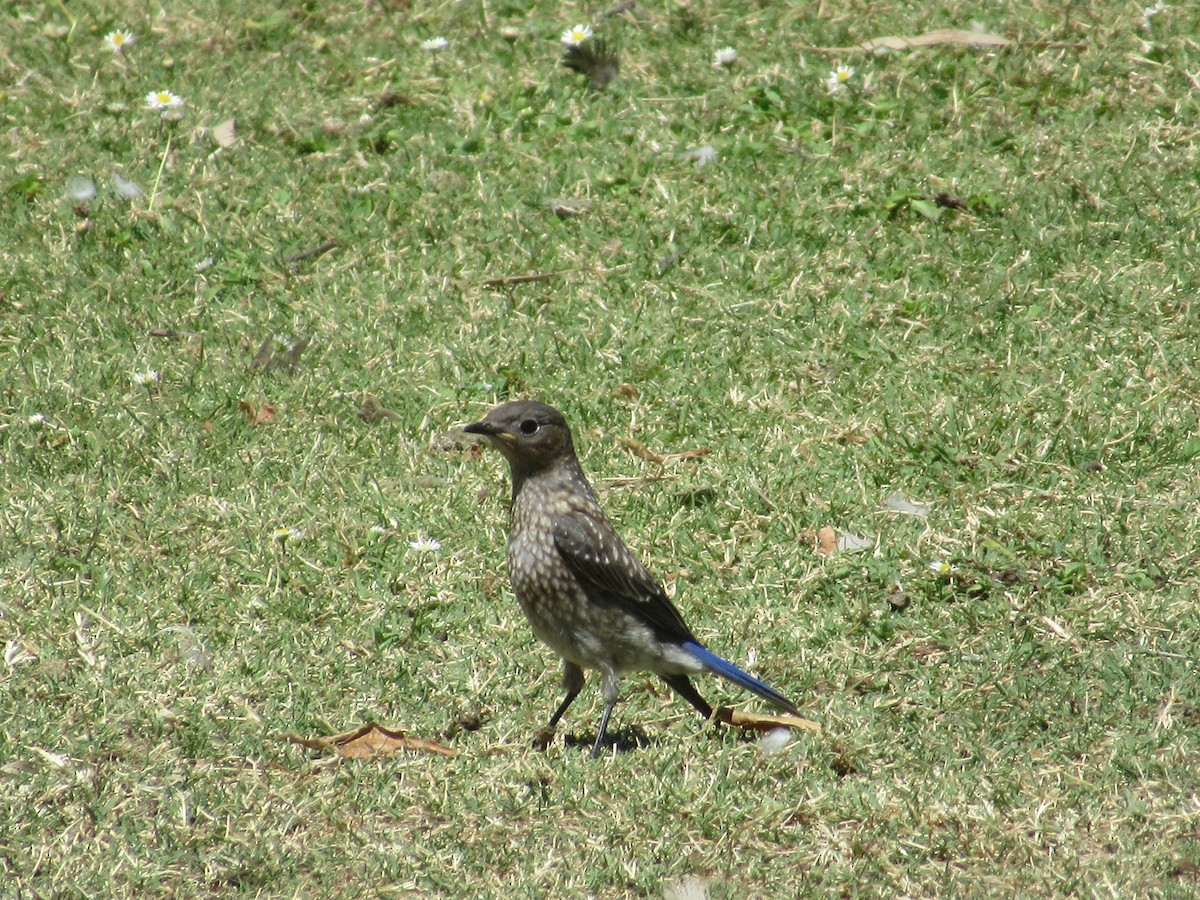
x=728, y=670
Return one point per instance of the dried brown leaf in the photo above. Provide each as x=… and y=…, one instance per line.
x=956, y=37
x=257, y=415
x=373, y=411
x=267, y=358
x=371, y=740
x=760, y=722
x=827, y=541
x=953, y=37
x=641, y=450
x=264, y=354
x=568, y=207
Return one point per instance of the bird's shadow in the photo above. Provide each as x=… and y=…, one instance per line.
x=619, y=740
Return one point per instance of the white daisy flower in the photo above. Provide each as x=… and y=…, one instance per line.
x=163, y=100
x=576, y=35
x=426, y=545
x=145, y=379
x=434, y=44
x=119, y=40
x=838, y=77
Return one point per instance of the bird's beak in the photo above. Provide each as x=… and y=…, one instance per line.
x=487, y=429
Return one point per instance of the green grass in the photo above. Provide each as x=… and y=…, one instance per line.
x=1026, y=367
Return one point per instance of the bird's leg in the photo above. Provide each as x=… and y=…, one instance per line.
x=572, y=682
x=611, y=690
x=681, y=685
x=608, y=708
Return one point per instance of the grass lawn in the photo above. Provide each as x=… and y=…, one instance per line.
x=946, y=309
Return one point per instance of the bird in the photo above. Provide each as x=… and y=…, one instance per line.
x=585, y=594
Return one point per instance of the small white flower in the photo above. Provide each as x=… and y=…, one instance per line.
x=426, y=545
x=1149, y=12
x=145, y=379
x=117, y=41
x=36, y=419
x=726, y=56
x=576, y=35
x=378, y=529
x=283, y=535
x=434, y=44
x=942, y=568
x=838, y=77
x=163, y=100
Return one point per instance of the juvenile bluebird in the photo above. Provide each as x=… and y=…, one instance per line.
x=584, y=593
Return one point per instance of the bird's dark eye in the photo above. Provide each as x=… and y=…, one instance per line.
x=529, y=426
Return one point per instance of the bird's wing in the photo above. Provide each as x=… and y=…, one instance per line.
x=612, y=574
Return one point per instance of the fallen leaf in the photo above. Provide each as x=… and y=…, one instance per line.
x=956, y=37
x=56, y=760
x=257, y=415
x=312, y=252
x=392, y=98
x=508, y=280
x=760, y=722
x=292, y=355
x=568, y=207
x=373, y=411
x=267, y=357
x=371, y=740
x=641, y=450
x=852, y=543
x=826, y=541
x=225, y=134
x=626, y=391
x=264, y=353
x=901, y=504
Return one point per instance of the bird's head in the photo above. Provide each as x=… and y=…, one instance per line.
x=531, y=435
